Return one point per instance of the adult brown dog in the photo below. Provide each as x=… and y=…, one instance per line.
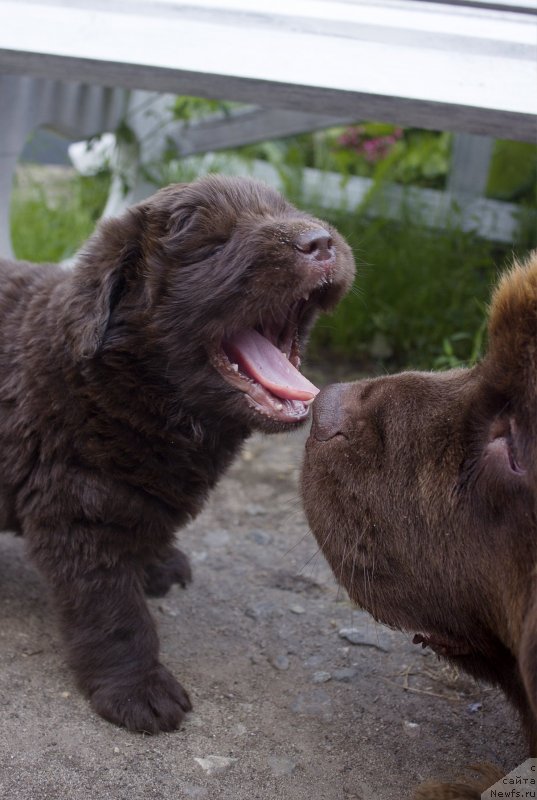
x=421, y=489
x=127, y=385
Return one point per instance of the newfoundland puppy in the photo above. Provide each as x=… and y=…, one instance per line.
x=421, y=490
x=127, y=385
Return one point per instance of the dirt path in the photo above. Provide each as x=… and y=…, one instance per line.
x=291, y=709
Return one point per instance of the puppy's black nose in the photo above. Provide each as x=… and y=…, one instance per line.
x=328, y=412
x=316, y=243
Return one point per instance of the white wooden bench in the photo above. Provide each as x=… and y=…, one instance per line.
x=465, y=65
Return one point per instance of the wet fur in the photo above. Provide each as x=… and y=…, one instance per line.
x=421, y=488
x=114, y=425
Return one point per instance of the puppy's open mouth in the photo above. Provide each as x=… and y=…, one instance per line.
x=263, y=363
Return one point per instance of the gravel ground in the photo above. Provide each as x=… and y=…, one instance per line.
x=285, y=706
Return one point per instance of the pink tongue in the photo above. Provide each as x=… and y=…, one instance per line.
x=258, y=357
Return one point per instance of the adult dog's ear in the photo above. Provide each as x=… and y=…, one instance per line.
x=510, y=366
x=105, y=268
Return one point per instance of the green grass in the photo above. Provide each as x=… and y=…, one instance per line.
x=419, y=299
x=52, y=214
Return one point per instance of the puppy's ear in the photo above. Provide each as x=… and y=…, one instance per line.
x=103, y=271
x=126, y=255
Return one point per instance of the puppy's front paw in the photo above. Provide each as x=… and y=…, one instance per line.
x=160, y=576
x=156, y=702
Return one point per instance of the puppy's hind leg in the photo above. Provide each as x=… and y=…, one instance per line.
x=171, y=568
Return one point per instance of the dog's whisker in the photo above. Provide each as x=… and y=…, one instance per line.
x=288, y=552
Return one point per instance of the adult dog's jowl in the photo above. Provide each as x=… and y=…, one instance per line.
x=127, y=385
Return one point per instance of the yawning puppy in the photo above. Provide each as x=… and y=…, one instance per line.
x=421, y=489
x=127, y=385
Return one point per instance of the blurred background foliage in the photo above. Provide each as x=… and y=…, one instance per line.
x=421, y=294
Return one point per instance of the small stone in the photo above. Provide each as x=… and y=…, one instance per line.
x=280, y=662
x=164, y=608
x=262, y=610
x=361, y=639
x=344, y=675
x=314, y=661
x=217, y=538
x=191, y=790
x=255, y=510
x=412, y=729
x=240, y=729
x=316, y=703
x=297, y=609
x=116, y=749
x=473, y=708
x=321, y=677
x=259, y=537
x=212, y=764
x=291, y=582
x=281, y=766
x=65, y=694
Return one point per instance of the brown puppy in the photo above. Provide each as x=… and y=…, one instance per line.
x=128, y=384
x=421, y=489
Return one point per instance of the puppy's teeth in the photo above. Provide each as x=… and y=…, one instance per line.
x=278, y=407
x=308, y=402
x=235, y=367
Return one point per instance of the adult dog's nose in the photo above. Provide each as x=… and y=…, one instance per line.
x=328, y=412
x=315, y=243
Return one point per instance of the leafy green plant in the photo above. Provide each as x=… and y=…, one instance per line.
x=52, y=216
x=513, y=172
x=415, y=291
x=451, y=347
x=188, y=108
x=420, y=294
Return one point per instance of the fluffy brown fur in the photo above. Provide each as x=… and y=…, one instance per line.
x=119, y=408
x=421, y=489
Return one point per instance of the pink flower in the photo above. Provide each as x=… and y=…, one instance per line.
x=373, y=149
